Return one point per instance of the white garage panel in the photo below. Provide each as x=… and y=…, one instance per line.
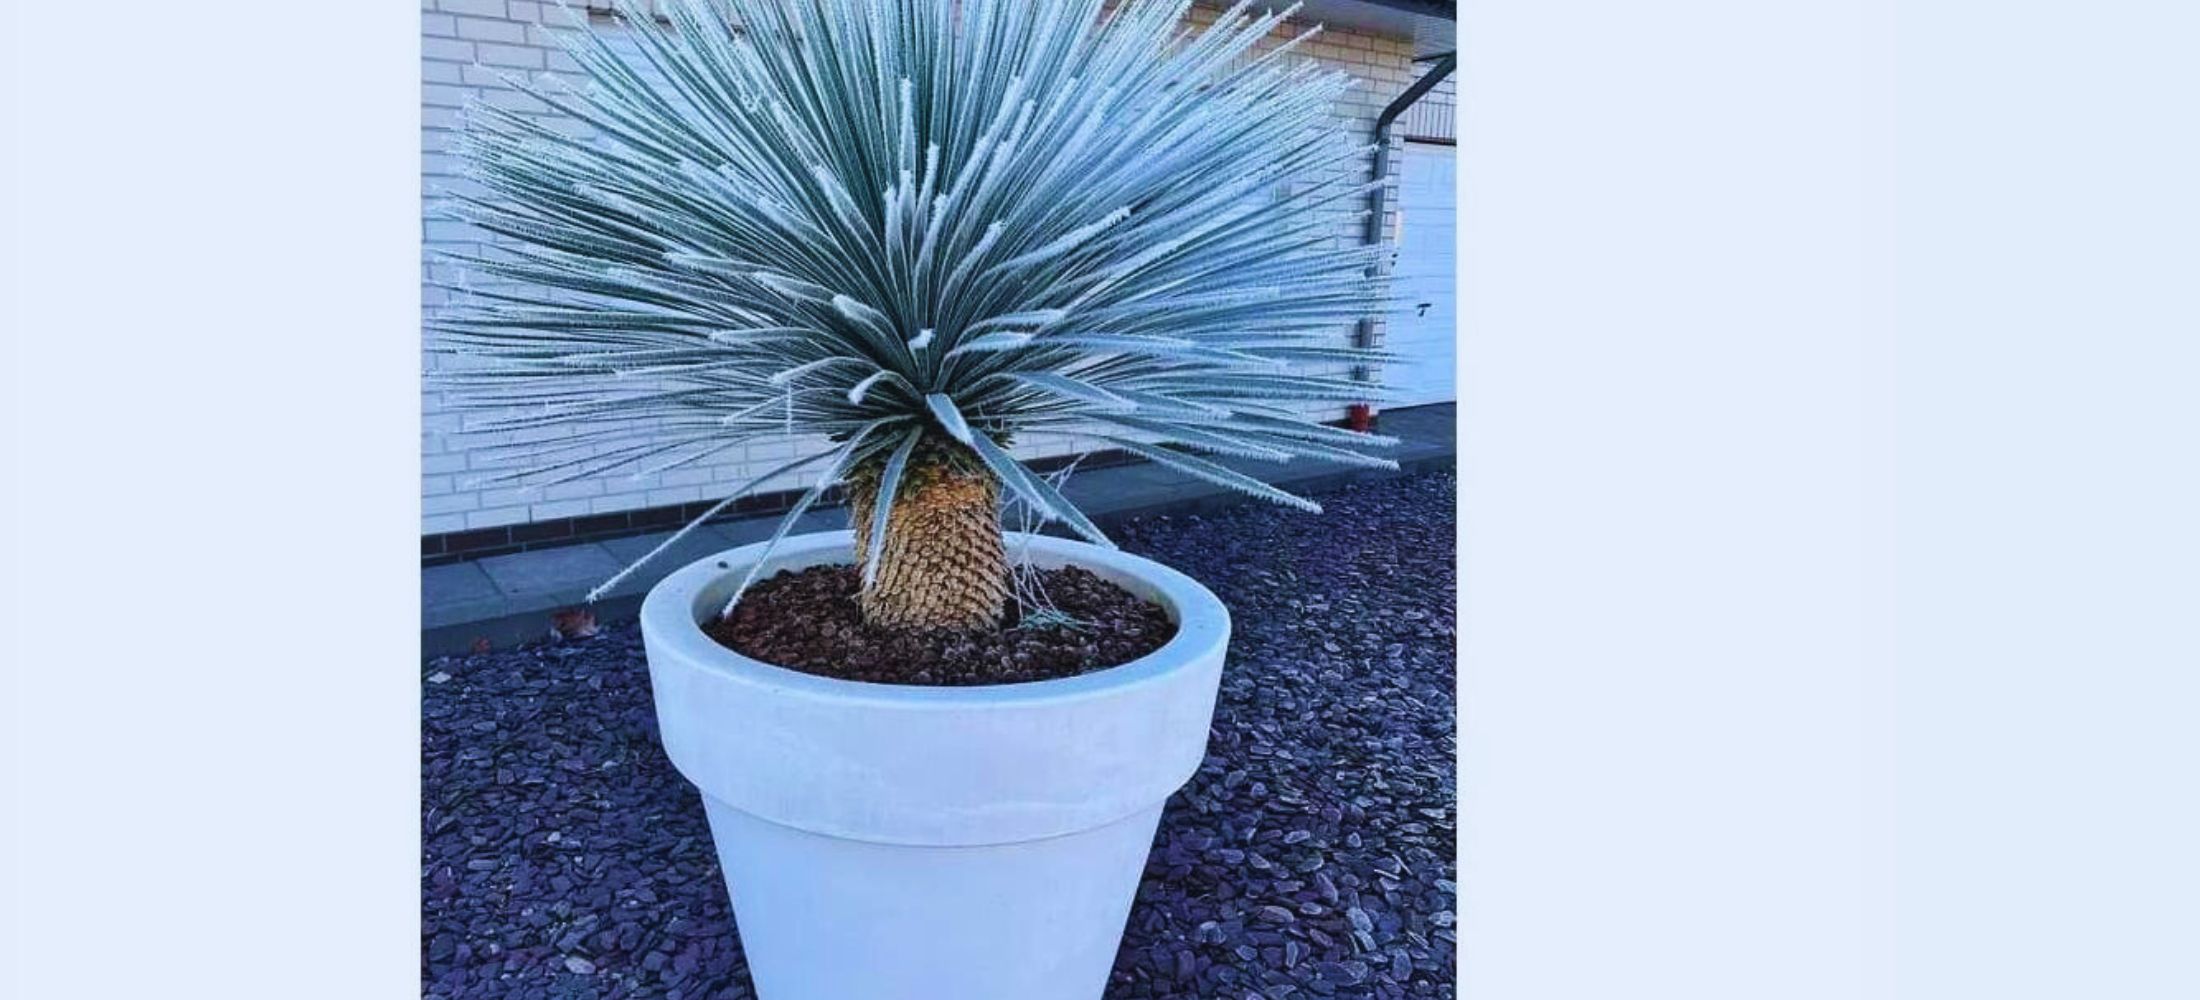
x=1421, y=321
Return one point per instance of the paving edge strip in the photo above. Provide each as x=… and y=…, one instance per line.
x=526, y=618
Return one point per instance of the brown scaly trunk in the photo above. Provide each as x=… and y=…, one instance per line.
x=945, y=564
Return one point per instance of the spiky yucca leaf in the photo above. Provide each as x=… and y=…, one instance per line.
x=867, y=218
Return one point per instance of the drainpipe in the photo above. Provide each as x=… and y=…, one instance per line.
x=1361, y=416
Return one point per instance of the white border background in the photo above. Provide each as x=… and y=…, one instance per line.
x=216, y=717
x=1828, y=531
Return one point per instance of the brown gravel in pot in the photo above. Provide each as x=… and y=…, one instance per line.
x=808, y=621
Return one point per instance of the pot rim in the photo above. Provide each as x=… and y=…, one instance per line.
x=671, y=609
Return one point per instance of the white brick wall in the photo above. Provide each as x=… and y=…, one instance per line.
x=466, y=45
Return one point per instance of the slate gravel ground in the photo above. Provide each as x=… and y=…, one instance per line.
x=1311, y=856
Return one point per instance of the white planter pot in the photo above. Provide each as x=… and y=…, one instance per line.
x=888, y=841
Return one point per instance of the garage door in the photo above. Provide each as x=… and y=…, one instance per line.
x=1421, y=320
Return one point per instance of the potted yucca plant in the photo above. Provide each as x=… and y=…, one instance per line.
x=917, y=229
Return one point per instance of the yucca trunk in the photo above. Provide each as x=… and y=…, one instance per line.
x=944, y=563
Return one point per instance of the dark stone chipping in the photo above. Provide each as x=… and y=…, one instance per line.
x=808, y=620
x=557, y=838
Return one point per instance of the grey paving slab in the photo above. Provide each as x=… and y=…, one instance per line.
x=1104, y=491
x=1422, y=427
x=457, y=592
x=757, y=529
x=551, y=572
x=455, y=582
x=704, y=540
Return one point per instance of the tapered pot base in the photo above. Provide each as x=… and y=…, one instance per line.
x=893, y=842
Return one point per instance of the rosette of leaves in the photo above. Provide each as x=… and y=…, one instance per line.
x=917, y=229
